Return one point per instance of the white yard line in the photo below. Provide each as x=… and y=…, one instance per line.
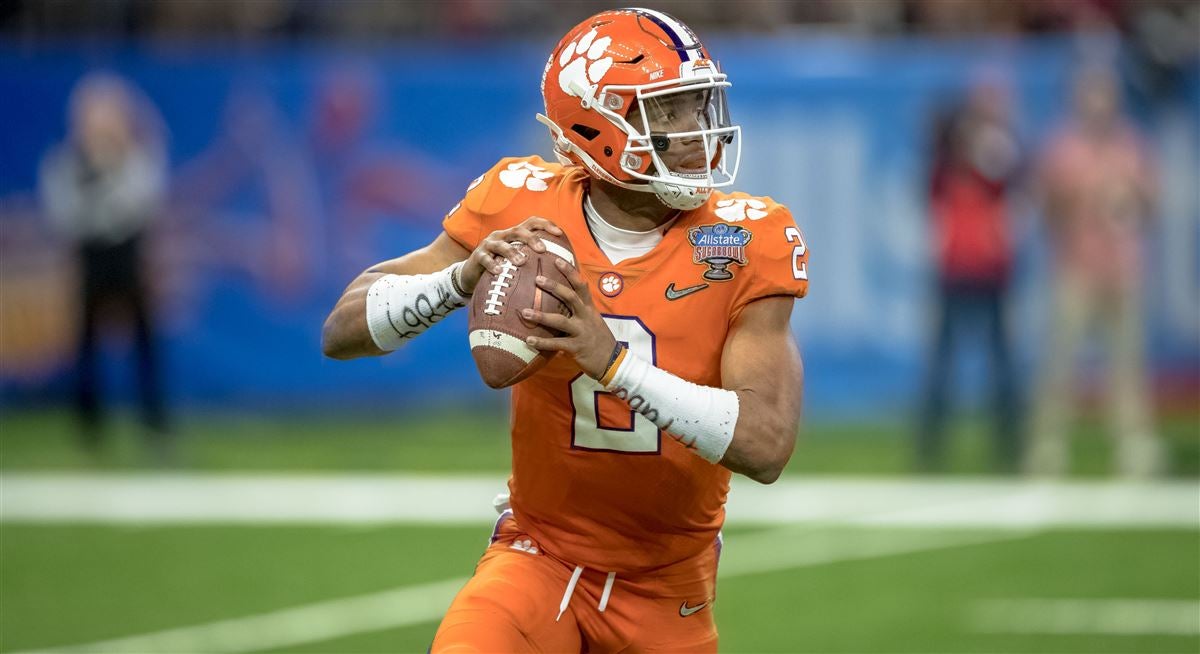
x=1109, y=617
x=207, y=498
x=970, y=503
x=768, y=551
x=466, y=499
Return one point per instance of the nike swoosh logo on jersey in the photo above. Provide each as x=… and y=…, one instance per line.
x=673, y=294
x=685, y=610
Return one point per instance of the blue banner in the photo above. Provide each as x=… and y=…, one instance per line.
x=294, y=168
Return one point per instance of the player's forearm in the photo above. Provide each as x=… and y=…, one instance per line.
x=750, y=432
x=347, y=333
x=764, y=438
x=770, y=391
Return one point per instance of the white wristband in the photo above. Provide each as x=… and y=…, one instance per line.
x=400, y=307
x=702, y=418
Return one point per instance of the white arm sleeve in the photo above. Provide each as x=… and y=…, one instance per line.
x=399, y=307
x=702, y=418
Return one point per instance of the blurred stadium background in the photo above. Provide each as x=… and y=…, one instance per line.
x=291, y=503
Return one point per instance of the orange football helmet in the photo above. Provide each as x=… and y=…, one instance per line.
x=633, y=96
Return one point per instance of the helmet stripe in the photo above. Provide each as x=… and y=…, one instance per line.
x=685, y=42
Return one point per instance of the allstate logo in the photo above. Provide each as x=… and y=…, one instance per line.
x=719, y=246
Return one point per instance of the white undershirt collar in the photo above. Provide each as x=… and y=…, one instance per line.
x=621, y=244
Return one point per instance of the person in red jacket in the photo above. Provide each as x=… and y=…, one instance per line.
x=975, y=159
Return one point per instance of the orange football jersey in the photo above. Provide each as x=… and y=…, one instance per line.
x=595, y=483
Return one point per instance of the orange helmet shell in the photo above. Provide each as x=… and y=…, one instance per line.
x=622, y=48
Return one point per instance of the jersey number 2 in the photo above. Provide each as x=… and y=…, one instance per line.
x=603, y=422
x=799, y=268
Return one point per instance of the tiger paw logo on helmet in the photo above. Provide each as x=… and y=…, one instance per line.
x=527, y=175
x=736, y=210
x=588, y=68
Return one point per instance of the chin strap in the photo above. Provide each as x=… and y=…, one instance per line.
x=684, y=198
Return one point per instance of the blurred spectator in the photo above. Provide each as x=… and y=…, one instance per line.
x=1097, y=191
x=102, y=189
x=975, y=159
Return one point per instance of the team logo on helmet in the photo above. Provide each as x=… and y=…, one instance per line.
x=718, y=247
x=588, y=68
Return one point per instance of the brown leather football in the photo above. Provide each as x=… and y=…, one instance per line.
x=496, y=329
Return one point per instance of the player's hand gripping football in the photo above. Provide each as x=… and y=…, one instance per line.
x=500, y=245
x=585, y=337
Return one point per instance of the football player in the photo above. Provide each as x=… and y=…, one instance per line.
x=677, y=366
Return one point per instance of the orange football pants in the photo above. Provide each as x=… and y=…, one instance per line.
x=511, y=604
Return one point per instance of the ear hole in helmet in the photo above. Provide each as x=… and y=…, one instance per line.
x=586, y=132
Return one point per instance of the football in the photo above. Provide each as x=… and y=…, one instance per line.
x=496, y=329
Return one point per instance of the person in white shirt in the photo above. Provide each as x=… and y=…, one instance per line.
x=102, y=189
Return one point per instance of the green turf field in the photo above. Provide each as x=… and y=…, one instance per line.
x=784, y=588
x=67, y=585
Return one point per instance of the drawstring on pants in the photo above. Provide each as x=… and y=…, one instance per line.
x=562, y=606
x=608, y=585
